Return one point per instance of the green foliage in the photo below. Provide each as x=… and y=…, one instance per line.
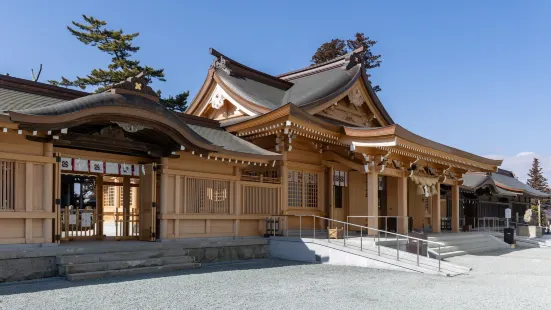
x=120, y=47
x=537, y=180
x=535, y=215
x=177, y=103
x=338, y=47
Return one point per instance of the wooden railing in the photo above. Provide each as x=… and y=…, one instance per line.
x=260, y=179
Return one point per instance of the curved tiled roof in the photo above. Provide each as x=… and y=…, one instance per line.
x=504, y=184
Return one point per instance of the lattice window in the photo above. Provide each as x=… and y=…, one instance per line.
x=7, y=185
x=302, y=189
x=207, y=196
x=311, y=190
x=295, y=189
x=270, y=173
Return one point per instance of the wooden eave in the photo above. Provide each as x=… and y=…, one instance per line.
x=26, y=86
x=409, y=144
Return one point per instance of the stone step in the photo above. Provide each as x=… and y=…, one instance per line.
x=458, y=236
x=133, y=271
x=123, y=264
x=118, y=256
x=463, y=241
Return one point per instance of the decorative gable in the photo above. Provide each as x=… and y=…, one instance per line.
x=220, y=106
x=352, y=109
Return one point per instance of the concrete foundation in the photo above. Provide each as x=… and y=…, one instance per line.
x=530, y=231
x=34, y=262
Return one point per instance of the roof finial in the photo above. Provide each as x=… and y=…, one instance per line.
x=136, y=84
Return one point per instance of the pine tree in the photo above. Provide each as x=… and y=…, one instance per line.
x=337, y=47
x=537, y=180
x=120, y=47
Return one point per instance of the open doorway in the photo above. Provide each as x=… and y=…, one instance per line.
x=79, y=208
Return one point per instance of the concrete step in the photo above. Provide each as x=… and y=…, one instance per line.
x=460, y=242
x=452, y=254
x=123, y=264
x=118, y=256
x=457, y=237
x=132, y=271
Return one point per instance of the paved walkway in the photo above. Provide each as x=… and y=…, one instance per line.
x=517, y=279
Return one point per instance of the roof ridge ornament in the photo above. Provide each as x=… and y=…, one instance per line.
x=138, y=83
x=222, y=64
x=354, y=58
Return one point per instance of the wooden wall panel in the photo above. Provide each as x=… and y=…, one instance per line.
x=38, y=228
x=357, y=198
x=17, y=144
x=188, y=162
x=222, y=226
x=169, y=203
x=192, y=227
x=38, y=187
x=20, y=176
x=249, y=228
x=12, y=228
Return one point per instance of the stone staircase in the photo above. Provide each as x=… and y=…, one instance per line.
x=124, y=262
x=464, y=243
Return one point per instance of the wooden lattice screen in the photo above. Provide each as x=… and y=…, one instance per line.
x=7, y=188
x=302, y=189
x=260, y=200
x=207, y=196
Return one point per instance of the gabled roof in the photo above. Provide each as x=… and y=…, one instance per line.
x=35, y=105
x=503, y=182
x=307, y=87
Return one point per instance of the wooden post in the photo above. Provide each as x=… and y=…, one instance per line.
x=436, y=211
x=331, y=194
x=47, y=193
x=29, y=174
x=284, y=184
x=238, y=200
x=373, y=201
x=163, y=198
x=126, y=205
x=99, y=205
x=455, y=208
x=402, y=221
x=177, y=204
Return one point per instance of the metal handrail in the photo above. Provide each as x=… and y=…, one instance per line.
x=386, y=217
x=378, y=236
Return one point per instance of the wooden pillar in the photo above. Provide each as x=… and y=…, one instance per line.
x=373, y=201
x=402, y=194
x=29, y=173
x=126, y=205
x=99, y=204
x=331, y=193
x=177, y=204
x=238, y=203
x=284, y=183
x=47, y=193
x=436, y=211
x=163, y=198
x=455, y=208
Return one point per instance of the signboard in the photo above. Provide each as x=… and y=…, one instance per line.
x=126, y=169
x=111, y=168
x=96, y=166
x=66, y=163
x=136, y=170
x=86, y=219
x=340, y=178
x=81, y=165
x=508, y=213
x=72, y=219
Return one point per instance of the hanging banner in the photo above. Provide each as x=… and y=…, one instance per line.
x=340, y=178
x=136, y=170
x=80, y=165
x=66, y=163
x=72, y=219
x=96, y=166
x=126, y=169
x=111, y=168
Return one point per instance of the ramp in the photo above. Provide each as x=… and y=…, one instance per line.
x=363, y=252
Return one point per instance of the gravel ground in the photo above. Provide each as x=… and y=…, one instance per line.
x=504, y=280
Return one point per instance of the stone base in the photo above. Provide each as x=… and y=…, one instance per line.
x=530, y=231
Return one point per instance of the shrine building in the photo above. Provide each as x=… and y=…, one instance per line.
x=315, y=141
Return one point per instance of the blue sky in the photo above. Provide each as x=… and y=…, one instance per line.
x=469, y=74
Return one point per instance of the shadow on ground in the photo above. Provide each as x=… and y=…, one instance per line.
x=56, y=283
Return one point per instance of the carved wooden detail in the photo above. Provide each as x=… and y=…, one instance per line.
x=137, y=84
x=350, y=113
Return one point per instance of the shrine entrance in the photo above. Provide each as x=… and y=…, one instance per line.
x=102, y=206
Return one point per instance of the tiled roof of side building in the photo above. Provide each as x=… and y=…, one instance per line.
x=20, y=94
